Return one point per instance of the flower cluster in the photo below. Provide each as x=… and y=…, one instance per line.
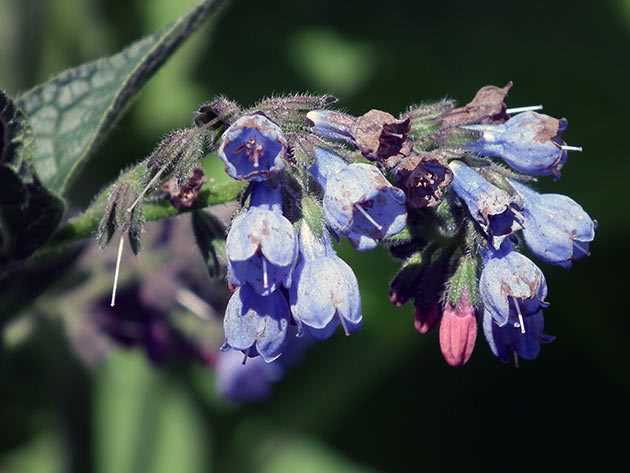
x=444, y=188
x=426, y=185
x=280, y=256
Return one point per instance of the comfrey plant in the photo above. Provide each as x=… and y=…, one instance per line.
x=446, y=189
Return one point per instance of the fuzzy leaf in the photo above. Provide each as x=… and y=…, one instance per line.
x=210, y=237
x=29, y=213
x=72, y=113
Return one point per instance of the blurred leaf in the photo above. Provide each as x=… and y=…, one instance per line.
x=44, y=454
x=210, y=238
x=145, y=422
x=290, y=455
x=29, y=213
x=72, y=113
x=332, y=62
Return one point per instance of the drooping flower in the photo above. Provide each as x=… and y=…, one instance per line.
x=253, y=381
x=253, y=148
x=325, y=291
x=326, y=164
x=495, y=210
x=376, y=134
x=458, y=332
x=511, y=286
x=255, y=324
x=509, y=342
x=359, y=202
x=242, y=383
x=529, y=142
x=261, y=245
x=556, y=228
x=333, y=126
x=426, y=317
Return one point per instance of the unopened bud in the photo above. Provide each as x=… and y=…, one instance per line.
x=426, y=318
x=458, y=332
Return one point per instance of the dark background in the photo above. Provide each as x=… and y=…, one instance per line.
x=382, y=400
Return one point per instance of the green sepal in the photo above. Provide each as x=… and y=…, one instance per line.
x=464, y=280
x=313, y=215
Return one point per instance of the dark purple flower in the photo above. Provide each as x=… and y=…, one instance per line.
x=133, y=323
x=498, y=213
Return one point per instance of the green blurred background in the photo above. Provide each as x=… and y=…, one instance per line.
x=381, y=400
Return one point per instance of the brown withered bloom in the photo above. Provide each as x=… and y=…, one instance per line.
x=488, y=106
x=379, y=135
x=184, y=197
x=424, y=178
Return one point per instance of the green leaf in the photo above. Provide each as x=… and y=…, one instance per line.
x=29, y=213
x=72, y=113
x=210, y=237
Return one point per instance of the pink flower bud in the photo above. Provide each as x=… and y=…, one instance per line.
x=458, y=331
x=426, y=318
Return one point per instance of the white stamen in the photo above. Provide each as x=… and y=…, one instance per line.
x=571, y=148
x=118, y=259
x=531, y=108
x=265, y=275
x=343, y=325
x=520, y=316
x=368, y=217
x=192, y=302
x=146, y=189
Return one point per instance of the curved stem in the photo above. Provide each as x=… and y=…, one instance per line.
x=84, y=226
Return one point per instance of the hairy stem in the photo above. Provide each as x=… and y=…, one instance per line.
x=84, y=226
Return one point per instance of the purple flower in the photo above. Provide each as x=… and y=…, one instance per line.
x=261, y=245
x=327, y=163
x=255, y=324
x=135, y=323
x=325, y=291
x=529, y=142
x=498, y=213
x=359, y=202
x=509, y=342
x=243, y=383
x=556, y=228
x=512, y=287
x=253, y=148
x=333, y=126
x=253, y=381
